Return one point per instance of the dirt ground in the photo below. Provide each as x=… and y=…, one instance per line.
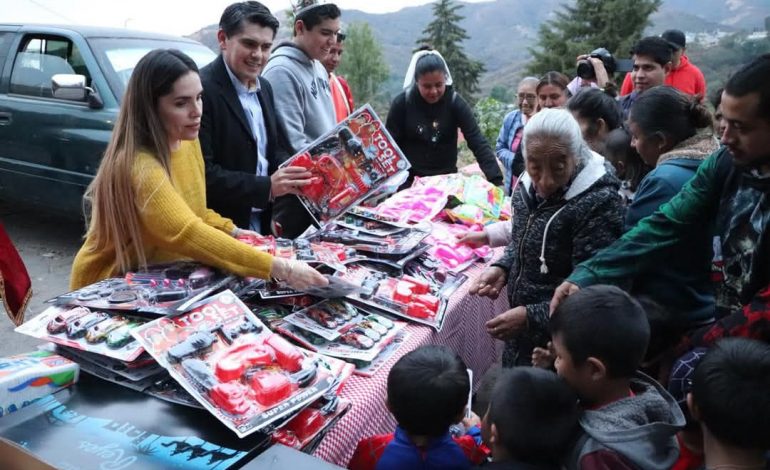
x=47, y=244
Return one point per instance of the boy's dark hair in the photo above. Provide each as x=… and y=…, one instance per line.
x=314, y=16
x=593, y=104
x=236, y=14
x=427, y=390
x=483, y=395
x=618, y=147
x=716, y=98
x=606, y=323
x=657, y=48
x=427, y=64
x=666, y=110
x=752, y=78
x=535, y=413
x=730, y=389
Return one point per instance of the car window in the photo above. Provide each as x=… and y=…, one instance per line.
x=39, y=59
x=118, y=56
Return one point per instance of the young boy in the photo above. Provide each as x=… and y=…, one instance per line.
x=531, y=420
x=600, y=336
x=730, y=399
x=427, y=392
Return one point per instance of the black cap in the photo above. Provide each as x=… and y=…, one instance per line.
x=675, y=38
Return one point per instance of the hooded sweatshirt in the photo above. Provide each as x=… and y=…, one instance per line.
x=303, y=101
x=638, y=432
x=684, y=287
x=549, y=238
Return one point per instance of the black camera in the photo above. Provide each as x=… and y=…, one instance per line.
x=585, y=68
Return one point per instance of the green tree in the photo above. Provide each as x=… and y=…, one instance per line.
x=446, y=36
x=362, y=63
x=501, y=94
x=586, y=25
x=490, y=114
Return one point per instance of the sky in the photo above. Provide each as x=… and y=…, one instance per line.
x=178, y=17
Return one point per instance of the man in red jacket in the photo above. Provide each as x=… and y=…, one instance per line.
x=341, y=95
x=684, y=76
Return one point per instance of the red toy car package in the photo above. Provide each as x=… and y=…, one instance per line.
x=100, y=332
x=407, y=296
x=348, y=164
x=241, y=372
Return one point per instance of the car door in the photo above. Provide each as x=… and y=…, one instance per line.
x=50, y=148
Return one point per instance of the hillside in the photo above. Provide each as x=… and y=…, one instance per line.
x=501, y=31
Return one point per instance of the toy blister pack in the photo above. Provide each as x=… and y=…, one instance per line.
x=368, y=369
x=406, y=296
x=240, y=371
x=361, y=338
x=454, y=256
x=368, y=225
x=397, y=244
x=304, y=429
x=126, y=369
x=159, y=290
x=348, y=164
x=100, y=332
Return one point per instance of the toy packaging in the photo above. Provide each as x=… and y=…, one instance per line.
x=106, y=333
x=339, y=329
x=368, y=369
x=348, y=164
x=414, y=205
x=454, y=256
x=369, y=226
x=240, y=371
x=309, y=425
x=160, y=290
x=397, y=244
x=26, y=377
x=138, y=370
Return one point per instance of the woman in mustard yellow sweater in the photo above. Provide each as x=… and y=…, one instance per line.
x=148, y=199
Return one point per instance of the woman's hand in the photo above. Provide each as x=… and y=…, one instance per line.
x=508, y=324
x=289, y=180
x=489, y=283
x=562, y=292
x=298, y=274
x=474, y=239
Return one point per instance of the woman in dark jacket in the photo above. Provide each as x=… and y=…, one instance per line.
x=664, y=124
x=565, y=208
x=424, y=119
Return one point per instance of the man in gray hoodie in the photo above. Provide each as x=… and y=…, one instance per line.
x=303, y=102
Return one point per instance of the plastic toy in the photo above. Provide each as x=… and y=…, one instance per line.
x=59, y=323
x=322, y=317
x=357, y=340
x=99, y=332
x=121, y=336
x=196, y=343
x=77, y=328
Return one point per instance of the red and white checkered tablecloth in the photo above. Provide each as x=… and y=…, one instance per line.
x=463, y=331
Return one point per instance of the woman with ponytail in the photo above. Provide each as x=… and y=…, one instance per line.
x=672, y=132
x=148, y=199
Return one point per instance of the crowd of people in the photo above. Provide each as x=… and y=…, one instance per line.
x=638, y=244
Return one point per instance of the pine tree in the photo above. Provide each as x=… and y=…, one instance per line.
x=589, y=24
x=362, y=63
x=446, y=36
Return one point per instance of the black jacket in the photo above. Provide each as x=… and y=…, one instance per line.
x=427, y=134
x=588, y=217
x=229, y=148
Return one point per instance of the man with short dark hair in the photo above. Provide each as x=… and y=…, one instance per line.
x=684, y=75
x=241, y=141
x=342, y=98
x=652, y=62
x=730, y=190
x=303, y=99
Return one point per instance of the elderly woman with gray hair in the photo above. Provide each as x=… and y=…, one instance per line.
x=565, y=208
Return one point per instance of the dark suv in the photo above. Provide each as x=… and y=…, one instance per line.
x=60, y=90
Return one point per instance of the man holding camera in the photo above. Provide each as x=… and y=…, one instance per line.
x=684, y=76
x=652, y=63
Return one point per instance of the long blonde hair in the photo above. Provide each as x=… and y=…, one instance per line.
x=114, y=222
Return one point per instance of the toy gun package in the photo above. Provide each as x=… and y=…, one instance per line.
x=241, y=372
x=348, y=164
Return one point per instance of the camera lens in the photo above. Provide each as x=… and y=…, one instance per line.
x=585, y=70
